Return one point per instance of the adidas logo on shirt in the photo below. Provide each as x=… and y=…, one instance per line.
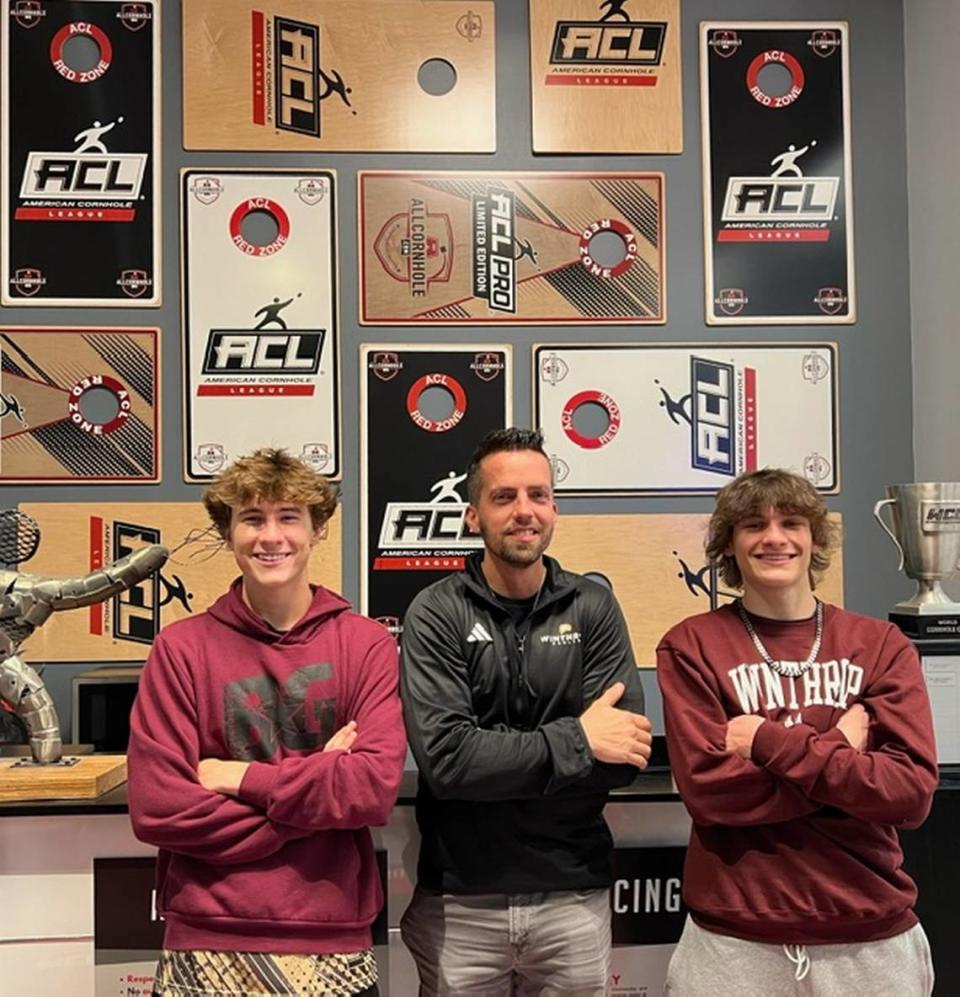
x=479, y=635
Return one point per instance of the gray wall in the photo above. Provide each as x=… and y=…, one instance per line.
x=932, y=34
x=875, y=373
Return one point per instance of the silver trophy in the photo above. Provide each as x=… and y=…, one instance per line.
x=926, y=532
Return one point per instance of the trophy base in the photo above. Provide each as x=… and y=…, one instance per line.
x=926, y=625
x=83, y=778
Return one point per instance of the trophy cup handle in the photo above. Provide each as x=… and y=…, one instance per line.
x=886, y=529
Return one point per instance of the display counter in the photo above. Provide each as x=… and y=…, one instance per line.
x=48, y=936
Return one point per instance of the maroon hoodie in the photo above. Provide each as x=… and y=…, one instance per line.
x=288, y=866
x=798, y=845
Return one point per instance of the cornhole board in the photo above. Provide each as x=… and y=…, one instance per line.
x=445, y=248
x=777, y=174
x=80, y=153
x=313, y=75
x=77, y=538
x=685, y=419
x=260, y=319
x=86, y=778
x=79, y=405
x=605, y=76
x=657, y=569
x=413, y=463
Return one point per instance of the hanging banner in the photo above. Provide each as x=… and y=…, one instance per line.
x=350, y=76
x=260, y=339
x=645, y=419
x=79, y=153
x=423, y=410
x=778, y=209
x=605, y=76
x=511, y=248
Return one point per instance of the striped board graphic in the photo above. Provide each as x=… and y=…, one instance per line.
x=443, y=248
x=79, y=405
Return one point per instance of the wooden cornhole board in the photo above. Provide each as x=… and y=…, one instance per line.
x=314, y=75
x=49, y=378
x=76, y=538
x=657, y=568
x=451, y=248
x=90, y=777
x=605, y=76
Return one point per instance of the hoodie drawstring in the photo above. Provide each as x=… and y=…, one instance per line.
x=797, y=954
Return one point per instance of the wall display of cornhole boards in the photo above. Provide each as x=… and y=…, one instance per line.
x=447, y=248
x=778, y=210
x=605, y=76
x=260, y=307
x=350, y=76
x=657, y=569
x=684, y=419
x=80, y=152
x=422, y=411
x=77, y=538
x=79, y=405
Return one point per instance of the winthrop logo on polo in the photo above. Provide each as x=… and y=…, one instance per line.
x=564, y=637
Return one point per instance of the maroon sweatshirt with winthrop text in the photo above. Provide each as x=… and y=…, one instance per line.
x=799, y=844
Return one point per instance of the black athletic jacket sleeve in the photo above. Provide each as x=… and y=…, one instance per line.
x=461, y=759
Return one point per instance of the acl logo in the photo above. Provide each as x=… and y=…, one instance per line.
x=289, y=50
x=712, y=416
x=90, y=171
x=243, y=352
x=588, y=43
x=721, y=412
x=494, y=250
x=786, y=196
x=435, y=525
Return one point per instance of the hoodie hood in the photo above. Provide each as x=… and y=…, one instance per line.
x=233, y=612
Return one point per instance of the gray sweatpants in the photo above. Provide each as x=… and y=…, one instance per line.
x=706, y=964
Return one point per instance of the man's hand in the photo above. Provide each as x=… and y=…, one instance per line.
x=221, y=776
x=343, y=739
x=740, y=734
x=614, y=735
x=855, y=726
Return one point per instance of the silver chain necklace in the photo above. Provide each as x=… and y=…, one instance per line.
x=790, y=669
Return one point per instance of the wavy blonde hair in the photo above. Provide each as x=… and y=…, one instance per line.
x=269, y=475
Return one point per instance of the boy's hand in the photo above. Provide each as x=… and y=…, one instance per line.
x=343, y=739
x=740, y=734
x=220, y=776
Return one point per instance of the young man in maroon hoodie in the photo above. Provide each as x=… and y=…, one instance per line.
x=266, y=739
x=801, y=739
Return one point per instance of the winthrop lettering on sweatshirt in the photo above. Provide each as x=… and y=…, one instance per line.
x=825, y=683
x=260, y=714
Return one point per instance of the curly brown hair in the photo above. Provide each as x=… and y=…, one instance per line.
x=750, y=495
x=269, y=475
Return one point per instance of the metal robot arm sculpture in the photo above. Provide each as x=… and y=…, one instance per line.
x=26, y=602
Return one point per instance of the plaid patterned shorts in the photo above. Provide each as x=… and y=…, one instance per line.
x=239, y=974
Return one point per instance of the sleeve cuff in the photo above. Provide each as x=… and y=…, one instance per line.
x=570, y=755
x=257, y=784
